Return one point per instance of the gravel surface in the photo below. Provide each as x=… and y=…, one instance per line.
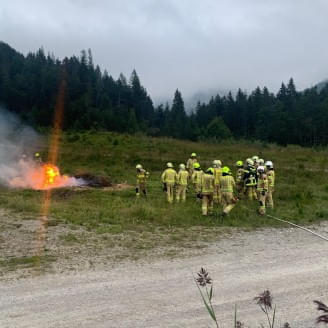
x=291, y=263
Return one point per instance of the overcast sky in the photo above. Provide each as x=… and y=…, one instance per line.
x=196, y=46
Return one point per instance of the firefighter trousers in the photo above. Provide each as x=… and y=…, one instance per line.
x=217, y=194
x=262, y=201
x=181, y=193
x=269, y=198
x=170, y=192
x=240, y=190
x=251, y=193
x=207, y=203
x=228, y=202
x=141, y=187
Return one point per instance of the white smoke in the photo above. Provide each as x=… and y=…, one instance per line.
x=18, y=144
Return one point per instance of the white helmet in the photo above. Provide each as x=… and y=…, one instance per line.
x=269, y=164
x=249, y=161
x=182, y=166
x=169, y=164
x=255, y=158
x=261, y=169
x=139, y=167
x=217, y=163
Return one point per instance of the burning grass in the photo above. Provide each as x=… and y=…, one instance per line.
x=41, y=177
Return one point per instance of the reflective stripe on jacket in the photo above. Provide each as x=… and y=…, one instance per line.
x=250, y=177
x=227, y=183
x=197, y=177
x=217, y=175
x=169, y=176
x=271, y=178
x=207, y=183
x=142, y=176
x=182, y=178
x=262, y=183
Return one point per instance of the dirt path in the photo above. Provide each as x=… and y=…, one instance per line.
x=291, y=263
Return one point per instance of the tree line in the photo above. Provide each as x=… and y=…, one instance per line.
x=96, y=100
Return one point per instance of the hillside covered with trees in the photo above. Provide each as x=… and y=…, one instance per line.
x=95, y=100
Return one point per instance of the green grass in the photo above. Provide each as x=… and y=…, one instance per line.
x=301, y=190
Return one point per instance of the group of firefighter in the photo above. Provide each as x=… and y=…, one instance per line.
x=254, y=181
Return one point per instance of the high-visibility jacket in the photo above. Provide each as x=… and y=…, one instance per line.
x=197, y=177
x=262, y=183
x=142, y=176
x=190, y=163
x=217, y=175
x=169, y=176
x=271, y=178
x=239, y=175
x=207, y=183
x=227, y=183
x=182, y=178
x=250, y=177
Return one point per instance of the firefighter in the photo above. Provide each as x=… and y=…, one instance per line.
x=37, y=158
x=169, y=178
x=190, y=163
x=262, y=188
x=207, y=190
x=271, y=180
x=239, y=178
x=250, y=180
x=142, y=176
x=261, y=162
x=217, y=175
x=182, y=183
x=227, y=184
x=197, y=179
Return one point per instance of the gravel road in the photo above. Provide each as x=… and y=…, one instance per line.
x=291, y=263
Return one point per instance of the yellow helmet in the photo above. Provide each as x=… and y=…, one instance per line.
x=36, y=155
x=239, y=163
x=225, y=170
x=196, y=165
x=193, y=155
x=169, y=164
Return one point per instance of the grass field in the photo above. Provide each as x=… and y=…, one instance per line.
x=301, y=187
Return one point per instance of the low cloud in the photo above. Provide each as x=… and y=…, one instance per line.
x=187, y=44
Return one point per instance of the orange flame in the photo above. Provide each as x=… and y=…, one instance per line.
x=47, y=177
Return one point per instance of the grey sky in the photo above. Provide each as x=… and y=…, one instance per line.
x=204, y=45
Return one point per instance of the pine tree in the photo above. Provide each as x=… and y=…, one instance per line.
x=178, y=116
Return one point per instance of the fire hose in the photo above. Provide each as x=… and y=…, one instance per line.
x=293, y=224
